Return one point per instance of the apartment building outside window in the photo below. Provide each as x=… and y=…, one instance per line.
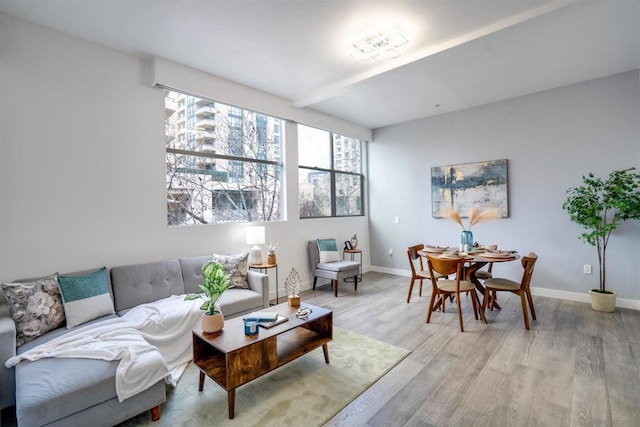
x=223, y=163
x=330, y=174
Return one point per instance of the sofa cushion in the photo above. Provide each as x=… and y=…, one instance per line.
x=237, y=301
x=143, y=283
x=53, y=388
x=85, y=297
x=36, y=307
x=328, y=250
x=236, y=267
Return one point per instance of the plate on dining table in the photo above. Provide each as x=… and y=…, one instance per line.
x=455, y=256
x=498, y=255
x=435, y=249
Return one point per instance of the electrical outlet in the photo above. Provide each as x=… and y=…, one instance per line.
x=586, y=269
x=390, y=252
x=396, y=220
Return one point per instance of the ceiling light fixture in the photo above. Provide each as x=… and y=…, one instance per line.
x=379, y=47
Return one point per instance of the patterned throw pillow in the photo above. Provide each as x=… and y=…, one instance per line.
x=328, y=250
x=36, y=307
x=236, y=267
x=85, y=297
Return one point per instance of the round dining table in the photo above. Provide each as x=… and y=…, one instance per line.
x=474, y=261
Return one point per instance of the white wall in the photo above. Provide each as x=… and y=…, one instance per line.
x=551, y=139
x=82, y=164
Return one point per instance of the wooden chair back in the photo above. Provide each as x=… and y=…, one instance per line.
x=445, y=267
x=528, y=263
x=412, y=253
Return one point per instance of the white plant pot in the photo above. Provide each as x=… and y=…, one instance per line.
x=603, y=302
x=212, y=323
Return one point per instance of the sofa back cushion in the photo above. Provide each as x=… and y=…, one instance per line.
x=192, y=273
x=143, y=283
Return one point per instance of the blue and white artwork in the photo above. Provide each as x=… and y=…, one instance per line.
x=461, y=187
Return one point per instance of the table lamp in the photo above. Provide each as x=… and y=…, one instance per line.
x=255, y=237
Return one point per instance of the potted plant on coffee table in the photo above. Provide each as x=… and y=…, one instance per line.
x=599, y=206
x=216, y=282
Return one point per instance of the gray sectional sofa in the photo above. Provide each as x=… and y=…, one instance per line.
x=78, y=392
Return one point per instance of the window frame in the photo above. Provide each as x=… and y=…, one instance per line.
x=275, y=136
x=333, y=172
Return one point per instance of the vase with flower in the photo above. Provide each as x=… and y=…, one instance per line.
x=475, y=216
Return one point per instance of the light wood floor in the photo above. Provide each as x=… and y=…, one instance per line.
x=575, y=367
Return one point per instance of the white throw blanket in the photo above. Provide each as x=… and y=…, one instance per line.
x=152, y=341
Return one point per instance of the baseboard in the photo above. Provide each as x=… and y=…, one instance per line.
x=543, y=292
x=580, y=297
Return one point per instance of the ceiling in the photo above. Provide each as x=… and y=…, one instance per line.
x=461, y=53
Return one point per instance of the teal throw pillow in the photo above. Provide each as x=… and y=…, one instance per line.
x=328, y=250
x=85, y=297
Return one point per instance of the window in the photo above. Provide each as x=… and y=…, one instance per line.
x=330, y=174
x=223, y=163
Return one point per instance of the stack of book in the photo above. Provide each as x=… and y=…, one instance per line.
x=266, y=319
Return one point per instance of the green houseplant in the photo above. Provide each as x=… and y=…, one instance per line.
x=599, y=206
x=216, y=282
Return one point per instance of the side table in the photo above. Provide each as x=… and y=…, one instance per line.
x=263, y=269
x=352, y=253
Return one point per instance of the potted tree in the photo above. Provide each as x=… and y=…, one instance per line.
x=216, y=282
x=599, y=206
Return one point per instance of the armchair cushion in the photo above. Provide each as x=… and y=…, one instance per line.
x=328, y=250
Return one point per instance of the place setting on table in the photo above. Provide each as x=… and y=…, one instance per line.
x=476, y=256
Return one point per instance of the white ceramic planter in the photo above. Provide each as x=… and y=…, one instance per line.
x=212, y=323
x=603, y=302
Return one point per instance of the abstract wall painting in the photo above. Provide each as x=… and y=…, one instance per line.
x=470, y=185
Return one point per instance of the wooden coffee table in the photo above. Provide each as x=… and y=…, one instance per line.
x=232, y=359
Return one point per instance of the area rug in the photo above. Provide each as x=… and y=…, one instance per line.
x=305, y=392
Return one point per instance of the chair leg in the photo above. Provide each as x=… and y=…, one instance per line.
x=355, y=282
x=524, y=310
x=485, y=301
x=459, y=311
x=335, y=287
x=474, y=304
x=413, y=279
x=431, y=302
x=420, y=290
x=315, y=279
x=531, y=307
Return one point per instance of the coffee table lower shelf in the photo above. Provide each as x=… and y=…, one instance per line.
x=232, y=359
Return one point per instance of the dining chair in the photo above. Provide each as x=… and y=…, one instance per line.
x=497, y=284
x=446, y=287
x=418, y=271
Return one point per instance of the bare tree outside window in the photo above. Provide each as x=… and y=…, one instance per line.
x=223, y=163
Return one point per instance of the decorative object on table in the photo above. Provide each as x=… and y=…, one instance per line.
x=250, y=327
x=216, y=282
x=463, y=186
x=354, y=241
x=475, y=216
x=292, y=287
x=271, y=252
x=303, y=312
x=599, y=206
x=255, y=237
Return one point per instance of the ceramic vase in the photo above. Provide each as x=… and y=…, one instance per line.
x=212, y=323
